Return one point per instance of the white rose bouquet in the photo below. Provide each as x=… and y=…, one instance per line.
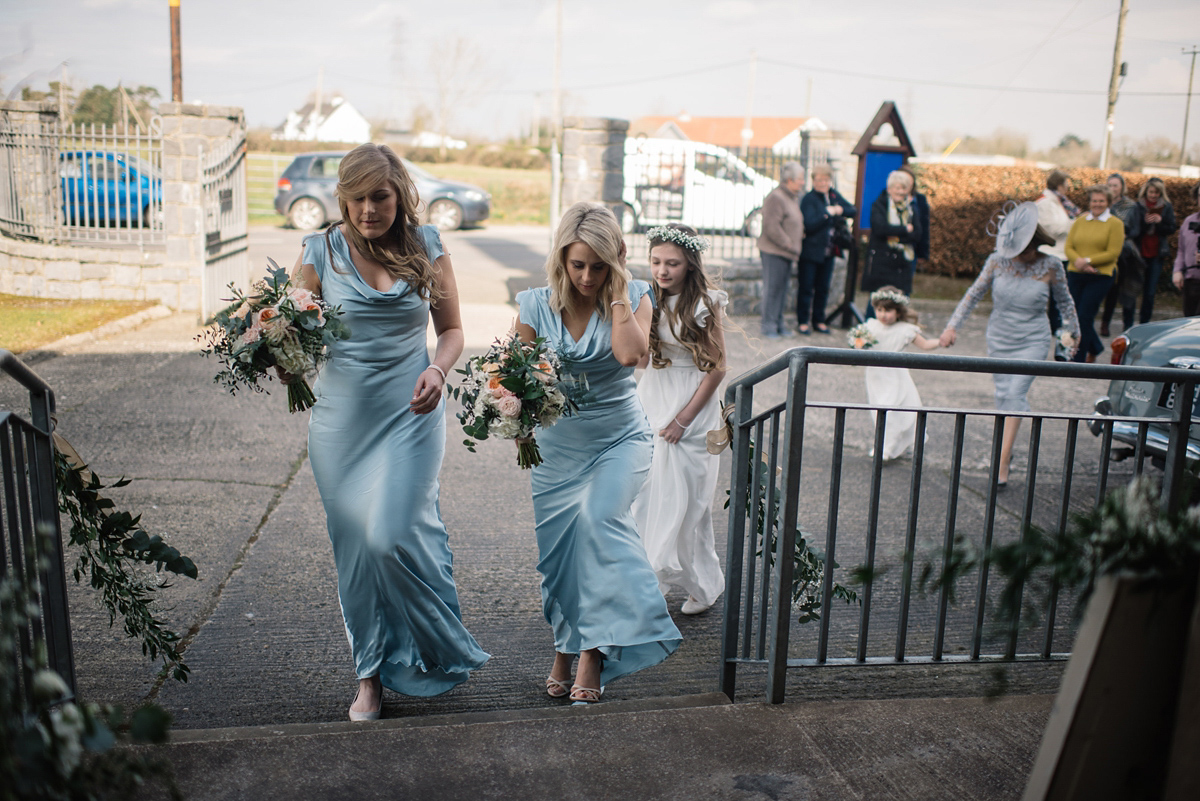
x=279, y=325
x=861, y=338
x=513, y=389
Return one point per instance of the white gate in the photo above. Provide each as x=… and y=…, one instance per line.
x=225, y=223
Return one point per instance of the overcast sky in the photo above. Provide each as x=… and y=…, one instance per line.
x=1036, y=66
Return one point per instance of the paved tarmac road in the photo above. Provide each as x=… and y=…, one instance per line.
x=226, y=479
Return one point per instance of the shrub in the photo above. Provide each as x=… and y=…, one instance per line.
x=963, y=199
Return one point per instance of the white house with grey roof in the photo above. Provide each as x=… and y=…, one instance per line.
x=335, y=120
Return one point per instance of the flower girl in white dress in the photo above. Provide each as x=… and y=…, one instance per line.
x=894, y=327
x=686, y=365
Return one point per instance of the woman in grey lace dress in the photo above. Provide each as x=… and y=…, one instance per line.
x=1021, y=279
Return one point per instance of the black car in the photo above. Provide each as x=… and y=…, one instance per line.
x=1165, y=343
x=304, y=194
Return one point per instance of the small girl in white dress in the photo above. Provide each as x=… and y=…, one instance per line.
x=686, y=365
x=894, y=327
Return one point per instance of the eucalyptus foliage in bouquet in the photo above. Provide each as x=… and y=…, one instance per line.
x=512, y=390
x=861, y=338
x=278, y=325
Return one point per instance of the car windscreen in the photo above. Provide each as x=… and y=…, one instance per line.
x=143, y=167
x=325, y=167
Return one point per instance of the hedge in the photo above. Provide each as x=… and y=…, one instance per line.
x=963, y=199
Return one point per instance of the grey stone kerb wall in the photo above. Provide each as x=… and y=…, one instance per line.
x=171, y=273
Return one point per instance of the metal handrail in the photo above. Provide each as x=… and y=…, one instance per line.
x=784, y=424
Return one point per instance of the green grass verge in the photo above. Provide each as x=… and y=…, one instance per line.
x=519, y=197
x=27, y=323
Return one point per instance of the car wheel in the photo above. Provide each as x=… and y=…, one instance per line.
x=753, y=225
x=445, y=214
x=629, y=222
x=152, y=216
x=306, y=214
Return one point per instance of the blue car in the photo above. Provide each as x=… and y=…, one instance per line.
x=106, y=189
x=304, y=194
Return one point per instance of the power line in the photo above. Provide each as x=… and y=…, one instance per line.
x=956, y=85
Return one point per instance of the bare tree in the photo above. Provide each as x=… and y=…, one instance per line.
x=459, y=73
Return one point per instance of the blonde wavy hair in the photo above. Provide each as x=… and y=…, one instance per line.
x=400, y=250
x=594, y=225
x=681, y=321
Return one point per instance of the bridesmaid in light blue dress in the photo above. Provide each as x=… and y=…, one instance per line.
x=378, y=433
x=599, y=592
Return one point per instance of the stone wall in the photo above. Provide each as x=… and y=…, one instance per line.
x=173, y=273
x=87, y=273
x=190, y=131
x=593, y=162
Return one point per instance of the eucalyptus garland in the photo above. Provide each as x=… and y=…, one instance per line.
x=112, y=547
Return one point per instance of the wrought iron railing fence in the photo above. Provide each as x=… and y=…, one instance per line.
x=864, y=515
x=30, y=537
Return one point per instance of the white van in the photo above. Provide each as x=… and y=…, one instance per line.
x=701, y=185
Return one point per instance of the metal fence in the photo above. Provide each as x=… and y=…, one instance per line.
x=226, y=236
x=29, y=508
x=93, y=184
x=957, y=499
x=717, y=191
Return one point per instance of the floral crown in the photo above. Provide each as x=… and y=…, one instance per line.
x=894, y=295
x=664, y=233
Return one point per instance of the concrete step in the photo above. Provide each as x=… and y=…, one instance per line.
x=688, y=747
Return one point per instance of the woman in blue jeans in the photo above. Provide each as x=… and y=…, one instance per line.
x=1093, y=245
x=824, y=209
x=1158, y=223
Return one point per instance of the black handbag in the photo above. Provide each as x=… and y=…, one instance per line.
x=840, y=237
x=885, y=267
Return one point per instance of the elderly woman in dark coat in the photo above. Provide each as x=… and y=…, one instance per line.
x=824, y=210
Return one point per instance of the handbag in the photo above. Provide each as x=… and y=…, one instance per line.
x=885, y=267
x=719, y=439
x=840, y=238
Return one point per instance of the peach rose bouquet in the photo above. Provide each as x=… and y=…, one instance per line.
x=513, y=389
x=277, y=325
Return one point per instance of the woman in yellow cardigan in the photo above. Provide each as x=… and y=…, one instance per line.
x=1093, y=245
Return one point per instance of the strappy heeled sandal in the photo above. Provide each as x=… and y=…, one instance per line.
x=556, y=688
x=586, y=695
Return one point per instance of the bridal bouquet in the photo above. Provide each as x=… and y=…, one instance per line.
x=512, y=389
x=861, y=338
x=278, y=325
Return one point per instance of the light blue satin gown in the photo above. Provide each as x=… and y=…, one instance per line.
x=376, y=465
x=598, y=589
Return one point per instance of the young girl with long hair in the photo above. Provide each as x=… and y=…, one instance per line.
x=599, y=593
x=679, y=392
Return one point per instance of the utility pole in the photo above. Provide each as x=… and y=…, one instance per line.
x=1114, y=82
x=556, y=125
x=1187, y=106
x=176, y=58
x=747, y=129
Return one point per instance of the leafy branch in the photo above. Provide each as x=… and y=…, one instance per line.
x=808, y=572
x=112, y=544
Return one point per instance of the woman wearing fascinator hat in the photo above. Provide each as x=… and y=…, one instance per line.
x=1021, y=279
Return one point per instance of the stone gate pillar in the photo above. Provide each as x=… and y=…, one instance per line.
x=593, y=164
x=189, y=132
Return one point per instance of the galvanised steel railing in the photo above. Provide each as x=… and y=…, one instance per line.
x=29, y=526
x=758, y=628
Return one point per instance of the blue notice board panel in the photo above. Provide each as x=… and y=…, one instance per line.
x=877, y=166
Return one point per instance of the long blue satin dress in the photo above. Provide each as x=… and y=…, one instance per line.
x=376, y=465
x=598, y=589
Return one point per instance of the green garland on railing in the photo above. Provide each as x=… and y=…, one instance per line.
x=808, y=563
x=111, y=545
